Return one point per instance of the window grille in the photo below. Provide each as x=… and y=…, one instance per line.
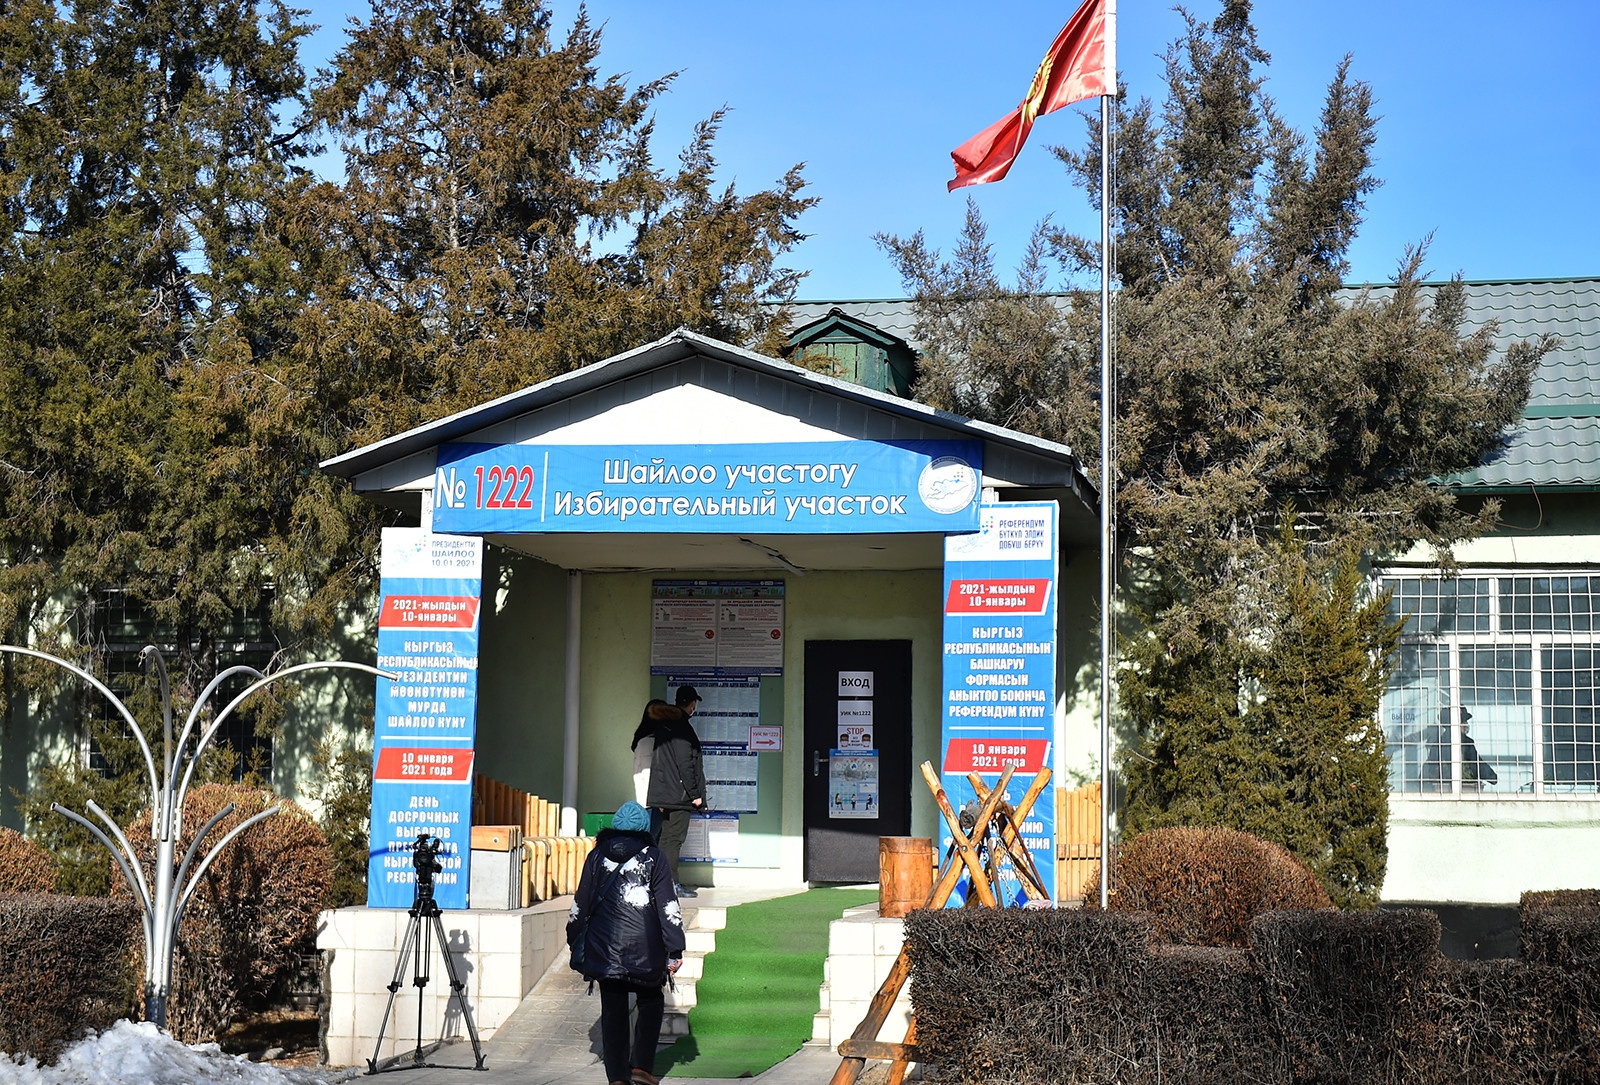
x=119, y=628
x=1494, y=689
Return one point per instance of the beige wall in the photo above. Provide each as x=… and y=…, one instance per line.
x=521, y=701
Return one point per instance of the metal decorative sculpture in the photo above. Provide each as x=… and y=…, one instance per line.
x=175, y=883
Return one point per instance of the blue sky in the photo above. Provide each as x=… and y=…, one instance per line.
x=1487, y=137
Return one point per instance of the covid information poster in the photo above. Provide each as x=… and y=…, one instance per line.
x=426, y=716
x=1000, y=670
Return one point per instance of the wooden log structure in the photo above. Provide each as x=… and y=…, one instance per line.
x=863, y=1043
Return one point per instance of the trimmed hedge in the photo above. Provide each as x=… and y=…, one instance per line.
x=25, y=866
x=1319, y=998
x=69, y=968
x=1203, y=886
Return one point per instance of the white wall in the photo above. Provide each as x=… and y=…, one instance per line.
x=1488, y=851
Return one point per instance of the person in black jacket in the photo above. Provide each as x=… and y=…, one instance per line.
x=677, y=778
x=631, y=932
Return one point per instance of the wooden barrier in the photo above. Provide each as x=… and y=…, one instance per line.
x=551, y=863
x=495, y=803
x=1077, y=842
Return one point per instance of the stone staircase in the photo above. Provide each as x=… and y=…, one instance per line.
x=700, y=926
x=862, y=947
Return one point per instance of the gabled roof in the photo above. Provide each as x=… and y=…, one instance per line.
x=1558, y=442
x=836, y=319
x=1036, y=467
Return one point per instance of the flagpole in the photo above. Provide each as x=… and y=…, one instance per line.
x=1107, y=452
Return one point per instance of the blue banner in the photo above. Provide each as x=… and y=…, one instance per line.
x=1000, y=672
x=827, y=487
x=425, y=719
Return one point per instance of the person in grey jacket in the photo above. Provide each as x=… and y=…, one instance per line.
x=677, y=778
x=631, y=929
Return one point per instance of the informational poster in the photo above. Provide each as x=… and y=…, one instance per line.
x=683, y=635
x=426, y=717
x=716, y=628
x=801, y=488
x=1000, y=667
x=853, y=783
x=731, y=773
x=713, y=838
x=855, y=725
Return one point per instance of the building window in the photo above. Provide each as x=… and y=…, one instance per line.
x=121, y=628
x=1494, y=690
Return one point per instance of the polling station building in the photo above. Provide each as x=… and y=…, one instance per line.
x=854, y=583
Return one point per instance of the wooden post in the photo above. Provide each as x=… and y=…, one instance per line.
x=1010, y=821
x=905, y=874
x=865, y=1037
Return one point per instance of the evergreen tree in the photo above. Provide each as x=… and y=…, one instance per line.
x=153, y=451
x=501, y=221
x=190, y=321
x=1276, y=735
x=1246, y=383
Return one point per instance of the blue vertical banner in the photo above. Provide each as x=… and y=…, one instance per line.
x=1000, y=672
x=425, y=718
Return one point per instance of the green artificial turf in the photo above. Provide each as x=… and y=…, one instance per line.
x=754, y=1005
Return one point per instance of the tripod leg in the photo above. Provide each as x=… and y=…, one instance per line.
x=419, y=980
x=457, y=987
x=394, y=985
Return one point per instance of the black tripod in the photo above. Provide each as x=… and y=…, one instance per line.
x=418, y=934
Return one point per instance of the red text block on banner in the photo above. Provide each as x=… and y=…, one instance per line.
x=992, y=755
x=428, y=612
x=448, y=765
x=1011, y=595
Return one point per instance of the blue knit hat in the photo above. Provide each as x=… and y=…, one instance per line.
x=631, y=818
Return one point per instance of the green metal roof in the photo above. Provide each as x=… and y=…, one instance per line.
x=1558, y=442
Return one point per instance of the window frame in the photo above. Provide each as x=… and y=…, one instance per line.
x=1496, y=630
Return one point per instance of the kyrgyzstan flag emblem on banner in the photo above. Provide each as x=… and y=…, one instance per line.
x=1082, y=63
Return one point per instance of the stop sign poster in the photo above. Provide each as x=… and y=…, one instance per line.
x=1000, y=670
x=426, y=715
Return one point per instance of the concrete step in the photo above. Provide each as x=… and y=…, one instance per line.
x=820, y=1027
x=700, y=926
x=680, y=995
x=703, y=917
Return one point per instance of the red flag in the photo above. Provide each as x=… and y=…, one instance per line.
x=1080, y=64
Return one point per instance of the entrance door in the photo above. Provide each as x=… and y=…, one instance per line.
x=858, y=754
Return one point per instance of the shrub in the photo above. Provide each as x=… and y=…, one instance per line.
x=1534, y=899
x=25, y=867
x=254, y=913
x=1350, y=991
x=69, y=967
x=346, y=796
x=1204, y=886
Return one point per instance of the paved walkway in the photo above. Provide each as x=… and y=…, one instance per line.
x=553, y=1037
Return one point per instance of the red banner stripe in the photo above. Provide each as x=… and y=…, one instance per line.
x=418, y=612
x=991, y=755
x=431, y=764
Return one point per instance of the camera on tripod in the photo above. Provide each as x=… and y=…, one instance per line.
x=425, y=860
x=425, y=925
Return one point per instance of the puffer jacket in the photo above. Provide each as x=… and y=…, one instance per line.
x=677, y=774
x=638, y=927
